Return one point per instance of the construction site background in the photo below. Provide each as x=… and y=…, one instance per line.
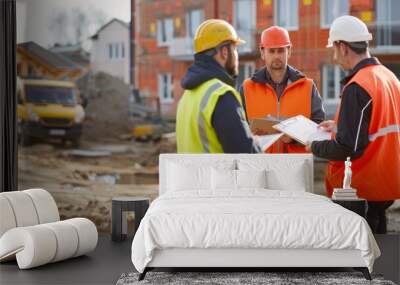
x=109, y=161
x=126, y=127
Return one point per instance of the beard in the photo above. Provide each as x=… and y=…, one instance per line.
x=231, y=66
x=277, y=65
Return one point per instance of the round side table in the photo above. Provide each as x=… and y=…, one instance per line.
x=120, y=207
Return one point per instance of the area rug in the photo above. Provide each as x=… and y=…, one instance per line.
x=243, y=278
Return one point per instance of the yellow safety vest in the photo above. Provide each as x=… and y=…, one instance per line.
x=194, y=130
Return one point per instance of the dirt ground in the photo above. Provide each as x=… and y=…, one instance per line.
x=83, y=185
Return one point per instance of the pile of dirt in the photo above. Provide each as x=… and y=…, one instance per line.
x=107, y=111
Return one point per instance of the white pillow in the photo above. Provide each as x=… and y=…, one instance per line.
x=251, y=178
x=292, y=179
x=281, y=174
x=183, y=177
x=223, y=179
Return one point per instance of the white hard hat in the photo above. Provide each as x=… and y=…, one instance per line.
x=349, y=29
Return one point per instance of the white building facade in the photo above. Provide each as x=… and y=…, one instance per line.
x=110, y=52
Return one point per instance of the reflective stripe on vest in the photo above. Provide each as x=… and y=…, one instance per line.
x=201, y=121
x=384, y=131
x=194, y=130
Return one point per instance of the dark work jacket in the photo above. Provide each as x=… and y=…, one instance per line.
x=230, y=125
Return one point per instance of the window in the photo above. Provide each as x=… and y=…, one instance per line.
x=193, y=19
x=287, y=14
x=165, y=31
x=116, y=50
x=246, y=70
x=31, y=70
x=19, y=69
x=388, y=23
x=331, y=76
x=110, y=51
x=244, y=20
x=394, y=67
x=331, y=9
x=165, y=92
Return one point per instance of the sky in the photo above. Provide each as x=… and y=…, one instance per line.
x=35, y=18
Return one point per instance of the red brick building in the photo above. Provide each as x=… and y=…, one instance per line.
x=163, y=30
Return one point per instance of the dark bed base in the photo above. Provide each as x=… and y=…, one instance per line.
x=364, y=270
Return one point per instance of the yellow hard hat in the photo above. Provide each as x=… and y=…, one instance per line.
x=212, y=33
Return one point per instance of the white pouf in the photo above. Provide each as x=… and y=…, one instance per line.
x=31, y=232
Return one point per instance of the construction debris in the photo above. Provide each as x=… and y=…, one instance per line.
x=107, y=112
x=168, y=143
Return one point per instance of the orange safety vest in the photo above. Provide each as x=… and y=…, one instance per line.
x=261, y=100
x=376, y=174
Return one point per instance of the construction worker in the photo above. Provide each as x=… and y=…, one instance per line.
x=210, y=117
x=367, y=123
x=279, y=89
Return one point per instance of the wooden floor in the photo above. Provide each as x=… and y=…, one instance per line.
x=110, y=259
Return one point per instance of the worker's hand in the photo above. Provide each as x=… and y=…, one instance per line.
x=286, y=139
x=328, y=126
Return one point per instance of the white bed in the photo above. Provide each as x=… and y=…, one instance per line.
x=247, y=211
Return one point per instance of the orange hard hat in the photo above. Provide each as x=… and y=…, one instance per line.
x=275, y=37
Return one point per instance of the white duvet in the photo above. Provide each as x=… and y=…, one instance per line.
x=250, y=219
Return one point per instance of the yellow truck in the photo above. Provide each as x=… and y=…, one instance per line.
x=48, y=109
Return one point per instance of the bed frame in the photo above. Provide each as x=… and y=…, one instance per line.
x=242, y=259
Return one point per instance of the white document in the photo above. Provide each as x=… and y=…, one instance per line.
x=268, y=140
x=302, y=130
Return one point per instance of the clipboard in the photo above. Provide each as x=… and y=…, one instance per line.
x=264, y=125
x=302, y=130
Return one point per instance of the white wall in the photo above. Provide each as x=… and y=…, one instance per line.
x=100, y=60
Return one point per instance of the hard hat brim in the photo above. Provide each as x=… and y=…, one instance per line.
x=276, y=46
x=364, y=38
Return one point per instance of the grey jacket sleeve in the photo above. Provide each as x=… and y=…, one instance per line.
x=317, y=109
